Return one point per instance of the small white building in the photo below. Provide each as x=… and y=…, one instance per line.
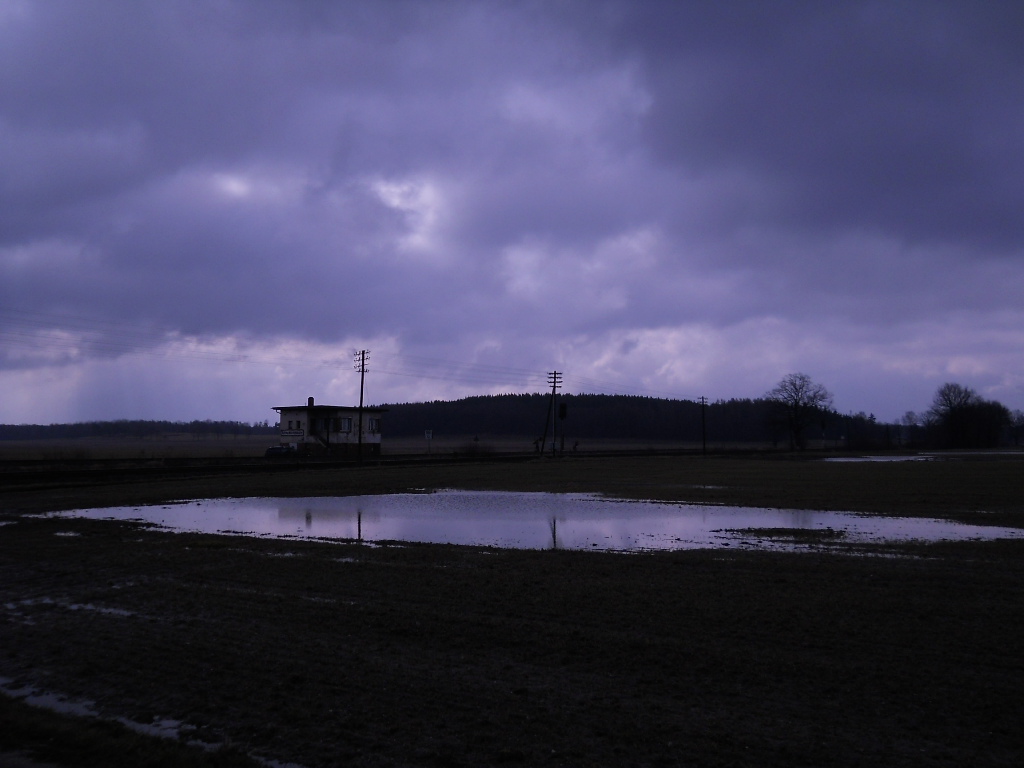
x=333, y=429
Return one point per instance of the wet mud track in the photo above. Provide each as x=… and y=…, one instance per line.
x=338, y=654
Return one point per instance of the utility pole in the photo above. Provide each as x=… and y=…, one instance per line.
x=360, y=366
x=703, y=426
x=561, y=431
x=555, y=380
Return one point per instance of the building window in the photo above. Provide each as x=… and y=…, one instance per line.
x=374, y=425
x=346, y=424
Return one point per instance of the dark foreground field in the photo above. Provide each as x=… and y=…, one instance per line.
x=339, y=654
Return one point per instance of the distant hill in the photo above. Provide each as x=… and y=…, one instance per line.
x=587, y=417
x=131, y=428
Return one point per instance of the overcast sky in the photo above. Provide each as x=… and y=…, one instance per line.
x=207, y=207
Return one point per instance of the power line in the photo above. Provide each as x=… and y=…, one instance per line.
x=39, y=332
x=78, y=335
x=427, y=362
x=617, y=388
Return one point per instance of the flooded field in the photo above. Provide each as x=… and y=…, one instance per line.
x=297, y=644
x=540, y=521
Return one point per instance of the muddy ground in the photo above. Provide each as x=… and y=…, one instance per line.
x=326, y=654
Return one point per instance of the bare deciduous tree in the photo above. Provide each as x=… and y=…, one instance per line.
x=967, y=420
x=799, y=401
x=951, y=397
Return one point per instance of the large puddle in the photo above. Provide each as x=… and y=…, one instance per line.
x=540, y=521
x=860, y=459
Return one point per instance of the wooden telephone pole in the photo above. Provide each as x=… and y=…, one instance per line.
x=360, y=366
x=555, y=380
x=703, y=426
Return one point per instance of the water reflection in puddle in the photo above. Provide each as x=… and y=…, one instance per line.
x=535, y=521
x=861, y=459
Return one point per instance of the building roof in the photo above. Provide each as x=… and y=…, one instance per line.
x=323, y=409
x=326, y=408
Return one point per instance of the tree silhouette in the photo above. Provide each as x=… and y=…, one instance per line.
x=966, y=420
x=799, y=402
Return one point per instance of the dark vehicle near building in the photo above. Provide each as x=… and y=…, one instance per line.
x=279, y=450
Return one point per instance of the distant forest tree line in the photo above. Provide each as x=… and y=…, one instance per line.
x=796, y=414
x=626, y=417
x=768, y=420
x=960, y=418
x=133, y=428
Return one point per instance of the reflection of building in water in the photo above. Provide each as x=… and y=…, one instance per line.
x=330, y=429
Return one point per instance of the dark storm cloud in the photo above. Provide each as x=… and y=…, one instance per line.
x=529, y=183
x=903, y=118
x=142, y=99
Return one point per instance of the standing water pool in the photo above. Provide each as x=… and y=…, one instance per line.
x=539, y=521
